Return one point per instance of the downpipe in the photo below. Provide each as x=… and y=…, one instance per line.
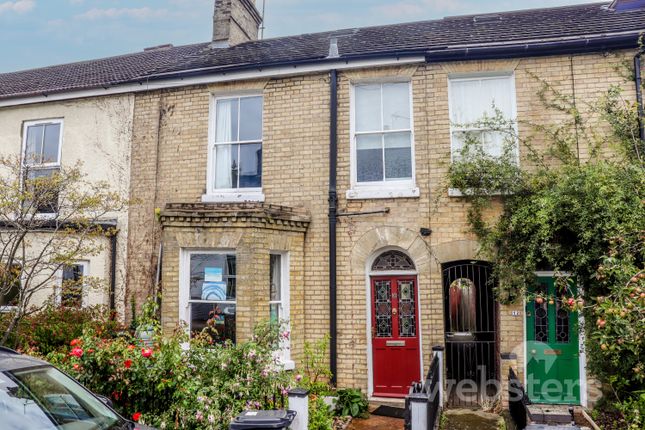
x=333, y=219
x=639, y=95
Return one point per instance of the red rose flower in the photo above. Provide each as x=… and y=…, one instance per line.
x=131, y=347
x=77, y=352
x=76, y=366
x=136, y=416
x=75, y=342
x=127, y=363
x=146, y=352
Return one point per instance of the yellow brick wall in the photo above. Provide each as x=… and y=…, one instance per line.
x=170, y=149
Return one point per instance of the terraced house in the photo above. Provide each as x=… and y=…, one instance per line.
x=303, y=178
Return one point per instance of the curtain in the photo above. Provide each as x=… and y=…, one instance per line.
x=471, y=100
x=223, y=152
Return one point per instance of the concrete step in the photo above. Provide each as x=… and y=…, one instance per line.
x=550, y=414
x=375, y=402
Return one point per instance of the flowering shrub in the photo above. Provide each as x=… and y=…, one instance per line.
x=51, y=328
x=179, y=382
x=617, y=340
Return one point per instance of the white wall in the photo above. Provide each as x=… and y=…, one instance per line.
x=98, y=132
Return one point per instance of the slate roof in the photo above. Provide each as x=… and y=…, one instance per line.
x=575, y=22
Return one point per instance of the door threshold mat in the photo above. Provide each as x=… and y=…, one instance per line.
x=389, y=411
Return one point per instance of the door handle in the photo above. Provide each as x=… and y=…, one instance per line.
x=394, y=311
x=533, y=352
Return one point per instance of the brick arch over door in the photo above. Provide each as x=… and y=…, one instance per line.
x=387, y=237
x=457, y=250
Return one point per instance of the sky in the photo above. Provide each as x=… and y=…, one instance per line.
x=37, y=33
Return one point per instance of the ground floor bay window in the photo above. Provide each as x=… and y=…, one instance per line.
x=232, y=267
x=208, y=292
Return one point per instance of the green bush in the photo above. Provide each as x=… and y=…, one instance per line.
x=321, y=416
x=315, y=371
x=351, y=402
x=51, y=328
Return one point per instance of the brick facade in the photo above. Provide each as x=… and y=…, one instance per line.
x=169, y=163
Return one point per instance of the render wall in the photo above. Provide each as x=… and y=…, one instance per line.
x=170, y=150
x=96, y=132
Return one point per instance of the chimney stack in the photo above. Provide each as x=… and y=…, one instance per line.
x=235, y=22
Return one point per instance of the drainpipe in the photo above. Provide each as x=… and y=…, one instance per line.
x=333, y=217
x=639, y=94
x=113, y=243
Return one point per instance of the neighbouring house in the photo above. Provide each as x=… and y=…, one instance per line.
x=302, y=178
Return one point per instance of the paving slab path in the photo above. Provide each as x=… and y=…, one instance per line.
x=375, y=422
x=458, y=419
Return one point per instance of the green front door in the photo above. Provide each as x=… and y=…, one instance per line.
x=553, y=366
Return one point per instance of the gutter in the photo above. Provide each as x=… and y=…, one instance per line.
x=534, y=49
x=333, y=218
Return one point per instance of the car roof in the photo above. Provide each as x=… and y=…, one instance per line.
x=11, y=360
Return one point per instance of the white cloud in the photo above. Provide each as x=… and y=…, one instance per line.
x=18, y=6
x=137, y=13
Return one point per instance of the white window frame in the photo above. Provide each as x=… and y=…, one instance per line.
x=43, y=166
x=399, y=188
x=453, y=192
x=184, y=282
x=85, y=264
x=285, y=308
x=35, y=123
x=480, y=77
x=229, y=195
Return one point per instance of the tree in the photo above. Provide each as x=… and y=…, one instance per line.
x=49, y=219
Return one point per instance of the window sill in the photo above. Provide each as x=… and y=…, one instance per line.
x=234, y=197
x=382, y=193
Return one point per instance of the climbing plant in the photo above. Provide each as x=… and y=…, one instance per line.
x=582, y=215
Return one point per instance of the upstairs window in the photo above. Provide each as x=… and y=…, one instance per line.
x=382, y=135
x=41, y=159
x=235, y=156
x=471, y=100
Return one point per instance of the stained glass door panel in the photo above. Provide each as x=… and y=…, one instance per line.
x=395, y=342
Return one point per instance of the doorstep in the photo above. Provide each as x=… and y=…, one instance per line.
x=375, y=402
x=549, y=414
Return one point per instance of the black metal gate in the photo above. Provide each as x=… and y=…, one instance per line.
x=471, y=333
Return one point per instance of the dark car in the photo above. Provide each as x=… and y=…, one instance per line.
x=34, y=395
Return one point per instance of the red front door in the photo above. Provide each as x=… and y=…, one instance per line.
x=395, y=335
